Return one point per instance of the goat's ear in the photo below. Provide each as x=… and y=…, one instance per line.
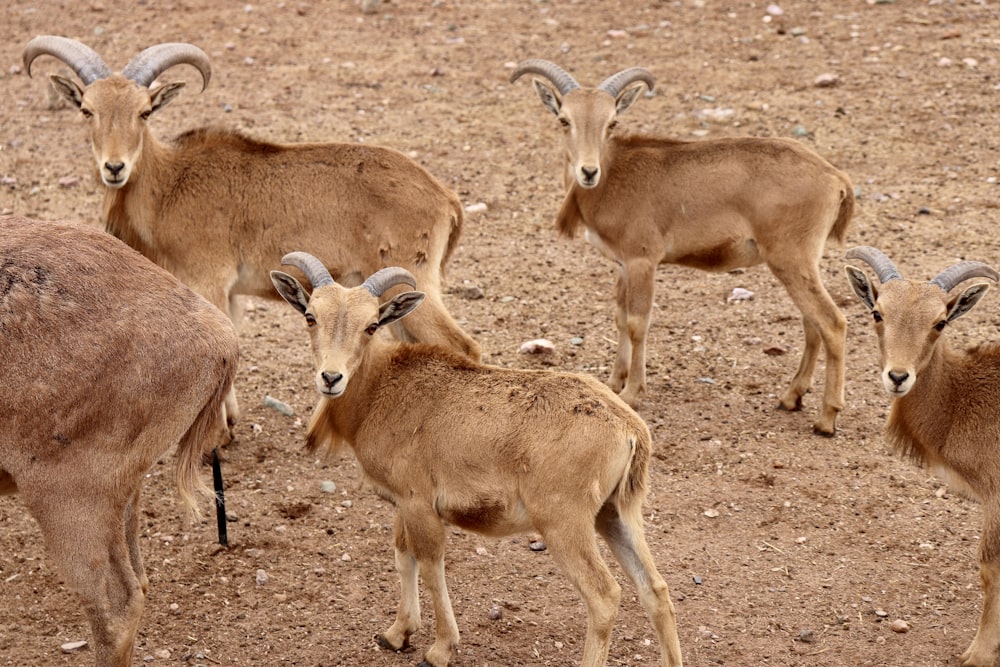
x=290, y=290
x=550, y=98
x=67, y=89
x=163, y=95
x=399, y=306
x=862, y=286
x=628, y=96
x=966, y=301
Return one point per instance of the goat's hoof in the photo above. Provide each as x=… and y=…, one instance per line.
x=826, y=433
x=790, y=406
x=385, y=644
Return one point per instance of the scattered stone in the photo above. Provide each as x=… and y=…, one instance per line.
x=706, y=380
x=471, y=292
x=800, y=132
x=69, y=182
x=739, y=294
x=537, y=545
x=328, y=486
x=478, y=207
x=881, y=613
x=496, y=613
x=261, y=577
x=347, y=503
x=346, y=558
x=826, y=80
x=711, y=512
x=697, y=580
x=775, y=10
x=923, y=210
x=576, y=340
x=481, y=551
x=278, y=406
x=69, y=647
x=537, y=346
x=775, y=351
x=9, y=181
x=807, y=636
x=162, y=654
x=900, y=626
x=801, y=540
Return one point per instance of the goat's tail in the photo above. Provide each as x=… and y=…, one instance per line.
x=208, y=426
x=633, y=485
x=839, y=230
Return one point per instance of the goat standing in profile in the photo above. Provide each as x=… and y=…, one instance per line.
x=946, y=404
x=715, y=205
x=488, y=449
x=107, y=362
x=218, y=209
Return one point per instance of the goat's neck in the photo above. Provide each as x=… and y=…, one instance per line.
x=129, y=211
x=920, y=420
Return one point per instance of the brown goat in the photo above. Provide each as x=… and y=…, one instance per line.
x=946, y=404
x=218, y=209
x=488, y=449
x=107, y=361
x=714, y=205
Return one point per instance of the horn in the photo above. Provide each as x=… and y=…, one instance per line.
x=155, y=60
x=875, y=258
x=563, y=80
x=615, y=83
x=309, y=265
x=378, y=282
x=81, y=58
x=953, y=275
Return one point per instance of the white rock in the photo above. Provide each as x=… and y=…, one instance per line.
x=537, y=346
x=69, y=647
x=478, y=207
x=739, y=294
x=261, y=577
x=775, y=10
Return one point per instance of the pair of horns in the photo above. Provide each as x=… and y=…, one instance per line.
x=946, y=280
x=143, y=69
x=376, y=284
x=564, y=81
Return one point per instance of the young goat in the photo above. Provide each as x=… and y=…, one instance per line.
x=107, y=362
x=945, y=410
x=488, y=449
x=714, y=204
x=218, y=209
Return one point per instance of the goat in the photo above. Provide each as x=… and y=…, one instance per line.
x=218, y=209
x=107, y=362
x=488, y=449
x=715, y=205
x=946, y=406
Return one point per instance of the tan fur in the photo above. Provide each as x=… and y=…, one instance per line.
x=491, y=450
x=949, y=421
x=715, y=205
x=108, y=361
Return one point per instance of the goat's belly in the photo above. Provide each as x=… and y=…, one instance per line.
x=488, y=518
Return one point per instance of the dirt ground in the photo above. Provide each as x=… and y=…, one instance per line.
x=780, y=547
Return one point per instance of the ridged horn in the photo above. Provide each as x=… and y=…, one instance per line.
x=876, y=259
x=309, y=265
x=953, y=275
x=560, y=78
x=81, y=58
x=378, y=282
x=155, y=60
x=615, y=83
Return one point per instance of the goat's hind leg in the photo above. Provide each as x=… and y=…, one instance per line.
x=634, y=303
x=397, y=637
x=983, y=650
x=627, y=542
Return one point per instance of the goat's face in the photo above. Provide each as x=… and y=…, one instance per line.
x=116, y=109
x=588, y=117
x=910, y=317
x=341, y=323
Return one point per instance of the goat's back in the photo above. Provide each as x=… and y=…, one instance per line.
x=107, y=359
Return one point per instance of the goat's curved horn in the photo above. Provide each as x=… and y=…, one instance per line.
x=616, y=82
x=81, y=58
x=953, y=275
x=378, y=282
x=560, y=78
x=877, y=259
x=309, y=265
x=155, y=60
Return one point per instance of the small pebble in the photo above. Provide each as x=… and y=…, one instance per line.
x=278, y=406
x=496, y=613
x=261, y=577
x=881, y=613
x=807, y=636
x=327, y=487
x=69, y=647
x=900, y=626
x=537, y=545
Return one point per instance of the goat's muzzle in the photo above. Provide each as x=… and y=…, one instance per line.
x=114, y=174
x=898, y=381
x=330, y=384
x=588, y=177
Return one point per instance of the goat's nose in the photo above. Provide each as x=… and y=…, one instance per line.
x=114, y=168
x=331, y=378
x=589, y=173
x=898, y=378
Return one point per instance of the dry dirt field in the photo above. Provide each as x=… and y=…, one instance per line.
x=780, y=547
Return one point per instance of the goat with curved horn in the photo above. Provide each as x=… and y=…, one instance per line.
x=945, y=405
x=560, y=78
x=714, y=204
x=317, y=274
x=386, y=278
x=875, y=258
x=155, y=60
x=82, y=59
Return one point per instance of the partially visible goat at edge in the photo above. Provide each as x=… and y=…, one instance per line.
x=218, y=209
x=107, y=362
x=710, y=204
x=488, y=449
x=946, y=404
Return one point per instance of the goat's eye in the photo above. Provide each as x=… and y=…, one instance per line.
x=877, y=316
x=612, y=125
x=145, y=115
x=87, y=113
x=940, y=325
x=371, y=329
x=564, y=121
x=310, y=320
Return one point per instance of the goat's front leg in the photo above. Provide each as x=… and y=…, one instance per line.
x=397, y=637
x=983, y=650
x=634, y=301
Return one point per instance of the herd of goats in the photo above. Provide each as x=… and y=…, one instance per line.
x=93, y=334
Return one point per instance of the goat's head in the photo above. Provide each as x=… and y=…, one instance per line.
x=910, y=315
x=587, y=116
x=116, y=105
x=341, y=320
